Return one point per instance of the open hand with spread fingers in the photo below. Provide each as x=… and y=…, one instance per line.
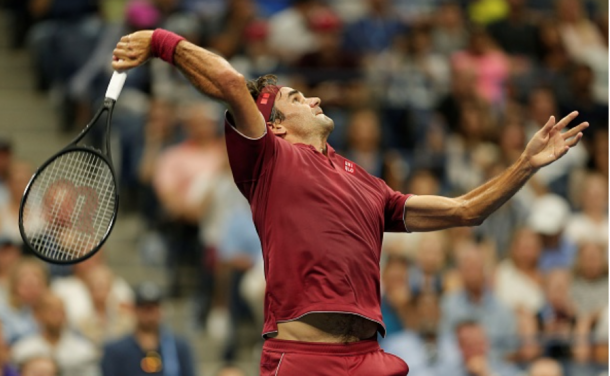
x=549, y=143
x=132, y=50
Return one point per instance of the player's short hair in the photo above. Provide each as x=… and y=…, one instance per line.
x=256, y=86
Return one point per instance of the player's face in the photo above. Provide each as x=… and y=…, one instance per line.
x=304, y=116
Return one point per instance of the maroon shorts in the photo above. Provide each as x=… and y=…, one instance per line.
x=364, y=358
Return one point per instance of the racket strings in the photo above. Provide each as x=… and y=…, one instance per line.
x=70, y=206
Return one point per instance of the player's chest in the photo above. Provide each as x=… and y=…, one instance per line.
x=320, y=179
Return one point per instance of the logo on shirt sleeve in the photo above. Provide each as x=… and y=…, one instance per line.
x=349, y=167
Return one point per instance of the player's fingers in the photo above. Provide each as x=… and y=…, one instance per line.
x=120, y=53
x=572, y=132
x=566, y=120
x=573, y=141
x=548, y=126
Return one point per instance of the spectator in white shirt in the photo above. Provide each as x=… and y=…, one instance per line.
x=518, y=281
x=591, y=223
x=75, y=355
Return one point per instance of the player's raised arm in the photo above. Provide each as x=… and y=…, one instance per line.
x=208, y=72
x=430, y=213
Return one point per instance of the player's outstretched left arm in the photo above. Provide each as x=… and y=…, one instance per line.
x=430, y=213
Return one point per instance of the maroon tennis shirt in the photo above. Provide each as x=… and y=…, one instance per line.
x=320, y=219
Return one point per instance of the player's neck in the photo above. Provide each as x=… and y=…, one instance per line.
x=318, y=142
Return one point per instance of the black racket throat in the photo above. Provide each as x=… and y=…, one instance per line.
x=107, y=108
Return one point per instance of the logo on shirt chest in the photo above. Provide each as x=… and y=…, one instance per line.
x=349, y=167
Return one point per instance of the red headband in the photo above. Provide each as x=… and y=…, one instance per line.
x=266, y=100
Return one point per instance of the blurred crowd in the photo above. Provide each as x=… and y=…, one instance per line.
x=433, y=96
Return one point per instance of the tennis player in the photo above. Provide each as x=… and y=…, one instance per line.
x=321, y=217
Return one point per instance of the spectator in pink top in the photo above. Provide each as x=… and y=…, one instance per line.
x=489, y=64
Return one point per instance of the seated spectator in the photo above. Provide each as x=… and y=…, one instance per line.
x=589, y=288
x=6, y=368
x=294, y=20
x=375, y=31
x=591, y=222
x=545, y=367
x=19, y=175
x=489, y=64
x=555, y=63
x=469, y=153
x=151, y=347
x=529, y=346
x=413, y=75
x=328, y=70
x=421, y=345
x=518, y=281
x=61, y=26
x=449, y=34
x=110, y=318
x=557, y=318
x=183, y=178
x=225, y=36
x=517, y=34
x=476, y=301
x=239, y=251
x=395, y=295
x=585, y=44
x=258, y=56
x=159, y=134
x=476, y=358
x=77, y=298
x=75, y=356
x=39, y=366
x=548, y=217
x=425, y=276
x=364, y=141
x=10, y=254
x=581, y=98
x=462, y=90
x=27, y=285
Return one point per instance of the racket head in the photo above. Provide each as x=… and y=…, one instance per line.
x=70, y=205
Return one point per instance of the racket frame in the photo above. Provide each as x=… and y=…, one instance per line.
x=108, y=106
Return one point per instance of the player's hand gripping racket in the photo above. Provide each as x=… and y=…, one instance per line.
x=70, y=205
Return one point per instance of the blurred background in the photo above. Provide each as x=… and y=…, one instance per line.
x=433, y=96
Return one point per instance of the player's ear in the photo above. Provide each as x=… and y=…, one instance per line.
x=277, y=128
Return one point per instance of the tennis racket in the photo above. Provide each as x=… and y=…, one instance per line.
x=70, y=205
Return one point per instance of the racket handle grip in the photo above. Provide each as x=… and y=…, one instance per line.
x=116, y=85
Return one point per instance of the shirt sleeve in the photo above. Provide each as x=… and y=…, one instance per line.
x=395, y=210
x=249, y=157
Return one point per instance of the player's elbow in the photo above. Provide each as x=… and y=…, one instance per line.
x=469, y=217
x=232, y=83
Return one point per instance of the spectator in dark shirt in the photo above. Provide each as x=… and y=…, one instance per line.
x=374, y=32
x=152, y=349
x=516, y=34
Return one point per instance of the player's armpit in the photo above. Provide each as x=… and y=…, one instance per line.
x=432, y=213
